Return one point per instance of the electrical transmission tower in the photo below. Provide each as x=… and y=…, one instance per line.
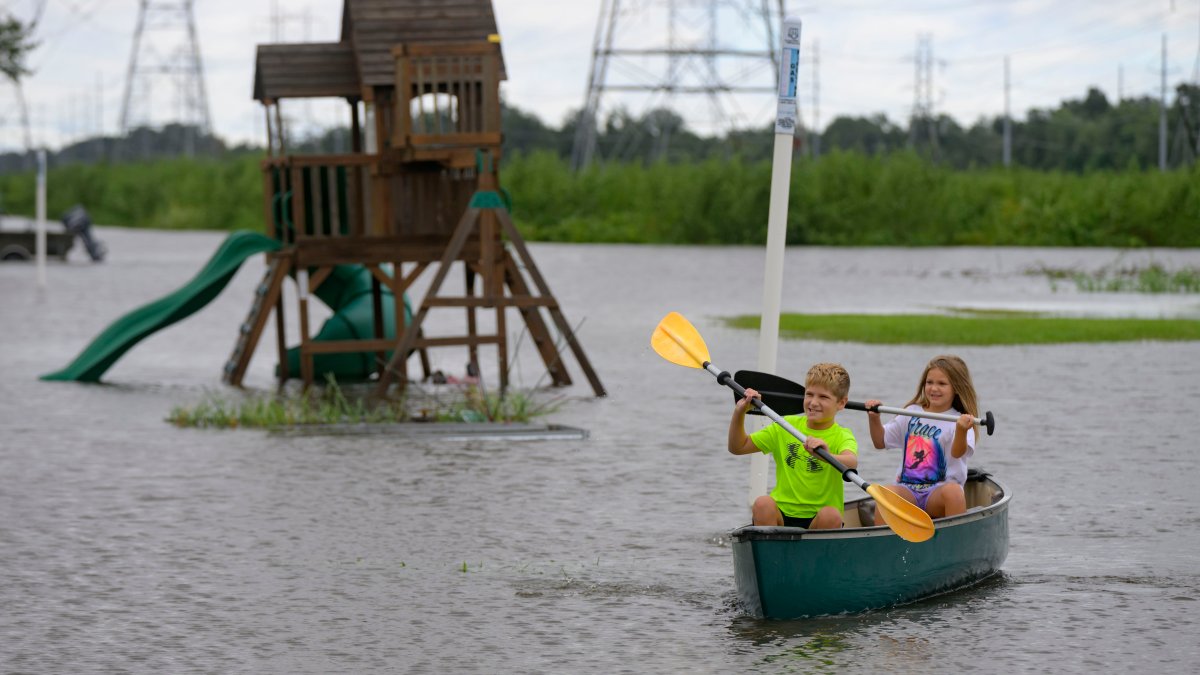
x=922, y=112
x=166, y=50
x=648, y=52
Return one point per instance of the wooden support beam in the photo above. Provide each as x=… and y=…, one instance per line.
x=374, y=250
x=318, y=278
x=281, y=342
x=378, y=276
x=412, y=276
x=377, y=328
x=362, y=346
x=476, y=301
x=518, y=243
x=453, y=249
x=538, y=332
x=473, y=350
x=306, y=360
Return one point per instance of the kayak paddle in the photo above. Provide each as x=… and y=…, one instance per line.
x=788, y=398
x=676, y=340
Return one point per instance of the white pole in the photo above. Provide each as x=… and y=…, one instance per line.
x=781, y=176
x=41, y=219
x=1007, y=152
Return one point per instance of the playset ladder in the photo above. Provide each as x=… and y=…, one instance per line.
x=266, y=295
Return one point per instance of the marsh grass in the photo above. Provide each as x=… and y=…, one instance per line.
x=845, y=198
x=333, y=404
x=1152, y=278
x=982, y=329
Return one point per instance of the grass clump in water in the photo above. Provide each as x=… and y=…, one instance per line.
x=332, y=404
x=1152, y=278
x=981, y=329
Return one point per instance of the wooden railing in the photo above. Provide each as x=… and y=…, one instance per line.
x=447, y=100
x=317, y=196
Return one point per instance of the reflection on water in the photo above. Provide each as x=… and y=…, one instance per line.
x=130, y=545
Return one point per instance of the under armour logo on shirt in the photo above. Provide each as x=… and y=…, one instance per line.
x=810, y=463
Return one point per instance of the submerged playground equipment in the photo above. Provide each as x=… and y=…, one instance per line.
x=418, y=192
x=346, y=290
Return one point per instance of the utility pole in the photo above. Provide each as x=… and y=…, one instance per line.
x=1162, y=112
x=916, y=106
x=816, y=79
x=1120, y=82
x=923, y=93
x=99, y=154
x=1007, y=117
x=1196, y=81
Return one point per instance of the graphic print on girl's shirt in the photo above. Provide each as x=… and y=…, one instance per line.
x=924, y=456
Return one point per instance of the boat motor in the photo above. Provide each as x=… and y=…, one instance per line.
x=78, y=223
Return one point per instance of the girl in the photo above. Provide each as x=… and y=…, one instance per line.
x=934, y=466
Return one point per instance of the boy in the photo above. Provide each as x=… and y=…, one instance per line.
x=808, y=490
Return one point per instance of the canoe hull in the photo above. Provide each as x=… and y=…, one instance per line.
x=789, y=573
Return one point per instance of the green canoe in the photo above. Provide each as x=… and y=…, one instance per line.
x=790, y=573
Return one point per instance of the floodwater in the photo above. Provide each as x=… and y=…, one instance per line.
x=129, y=545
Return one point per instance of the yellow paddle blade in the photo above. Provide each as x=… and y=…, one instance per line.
x=677, y=341
x=905, y=518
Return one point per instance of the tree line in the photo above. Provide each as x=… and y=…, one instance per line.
x=1080, y=135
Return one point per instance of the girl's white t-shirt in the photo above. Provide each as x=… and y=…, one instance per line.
x=926, y=444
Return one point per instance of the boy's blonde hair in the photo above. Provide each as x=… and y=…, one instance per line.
x=832, y=376
x=960, y=380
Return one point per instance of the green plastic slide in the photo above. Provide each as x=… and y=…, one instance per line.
x=347, y=291
x=130, y=329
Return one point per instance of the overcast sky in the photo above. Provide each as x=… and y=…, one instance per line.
x=1058, y=48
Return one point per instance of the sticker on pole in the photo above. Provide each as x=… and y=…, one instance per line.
x=789, y=78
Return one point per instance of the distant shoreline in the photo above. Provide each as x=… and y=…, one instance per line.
x=998, y=328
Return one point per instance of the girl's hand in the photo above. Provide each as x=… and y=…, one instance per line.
x=964, y=423
x=872, y=403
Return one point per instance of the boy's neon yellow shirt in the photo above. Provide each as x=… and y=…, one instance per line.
x=804, y=483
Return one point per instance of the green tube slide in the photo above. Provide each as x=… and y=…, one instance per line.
x=347, y=291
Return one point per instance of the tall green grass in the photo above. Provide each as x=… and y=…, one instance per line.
x=852, y=199
x=176, y=194
x=844, y=198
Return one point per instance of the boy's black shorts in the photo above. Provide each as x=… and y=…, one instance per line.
x=789, y=521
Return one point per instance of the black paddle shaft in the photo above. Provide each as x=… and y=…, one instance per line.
x=725, y=379
x=783, y=394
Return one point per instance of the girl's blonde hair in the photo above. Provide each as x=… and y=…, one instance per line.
x=960, y=380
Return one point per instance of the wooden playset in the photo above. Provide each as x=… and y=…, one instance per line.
x=417, y=193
